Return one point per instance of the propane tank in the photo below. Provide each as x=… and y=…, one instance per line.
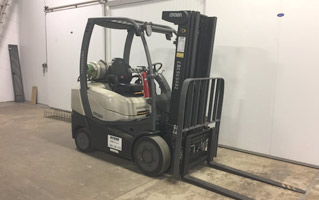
x=145, y=85
x=97, y=70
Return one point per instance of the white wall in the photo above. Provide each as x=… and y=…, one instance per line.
x=9, y=34
x=65, y=33
x=32, y=48
x=270, y=66
x=53, y=86
x=296, y=109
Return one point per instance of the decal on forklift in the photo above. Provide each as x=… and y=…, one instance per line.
x=177, y=74
x=175, y=15
x=179, y=55
x=181, y=44
x=114, y=143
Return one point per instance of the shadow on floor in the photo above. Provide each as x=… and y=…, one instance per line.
x=113, y=159
x=59, y=133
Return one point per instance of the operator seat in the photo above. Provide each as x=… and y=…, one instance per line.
x=120, y=78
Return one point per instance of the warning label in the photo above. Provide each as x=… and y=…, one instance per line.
x=180, y=55
x=114, y=142
x=181, y=44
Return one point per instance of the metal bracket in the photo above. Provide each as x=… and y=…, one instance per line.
x=44, y=68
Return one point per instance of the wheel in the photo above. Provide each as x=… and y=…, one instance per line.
x=83, y=140
x=152, y=155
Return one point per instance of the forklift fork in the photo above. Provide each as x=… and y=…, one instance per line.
x=254, y=177
x=206, y=96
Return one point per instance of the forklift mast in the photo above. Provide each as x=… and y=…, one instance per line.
x=196, y=120
x=193, y=56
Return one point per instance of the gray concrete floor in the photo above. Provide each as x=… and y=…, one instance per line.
x=38, y=160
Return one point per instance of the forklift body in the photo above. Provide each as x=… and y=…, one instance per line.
x=167, y=132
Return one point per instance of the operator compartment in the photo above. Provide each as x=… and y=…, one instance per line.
x=112, y=96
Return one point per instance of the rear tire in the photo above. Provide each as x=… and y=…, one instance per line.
x=152, y=155
x=83, y=140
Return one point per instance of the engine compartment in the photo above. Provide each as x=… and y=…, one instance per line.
x=108, y=105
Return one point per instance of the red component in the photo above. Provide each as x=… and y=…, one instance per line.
x=145, y=85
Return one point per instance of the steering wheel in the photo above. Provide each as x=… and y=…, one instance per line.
x=159, y=64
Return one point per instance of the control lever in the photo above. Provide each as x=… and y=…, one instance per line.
x=136, y=70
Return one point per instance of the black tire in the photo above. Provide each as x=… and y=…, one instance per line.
x=83, y=140
x=152, y=155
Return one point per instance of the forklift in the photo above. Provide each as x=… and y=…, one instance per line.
x=117, y=108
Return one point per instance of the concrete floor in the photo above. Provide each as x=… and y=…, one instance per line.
x=38, y=160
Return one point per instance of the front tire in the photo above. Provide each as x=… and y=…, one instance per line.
x=83, y=140
x=152, y=155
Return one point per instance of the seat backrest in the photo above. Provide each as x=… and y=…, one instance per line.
x=120, y=69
